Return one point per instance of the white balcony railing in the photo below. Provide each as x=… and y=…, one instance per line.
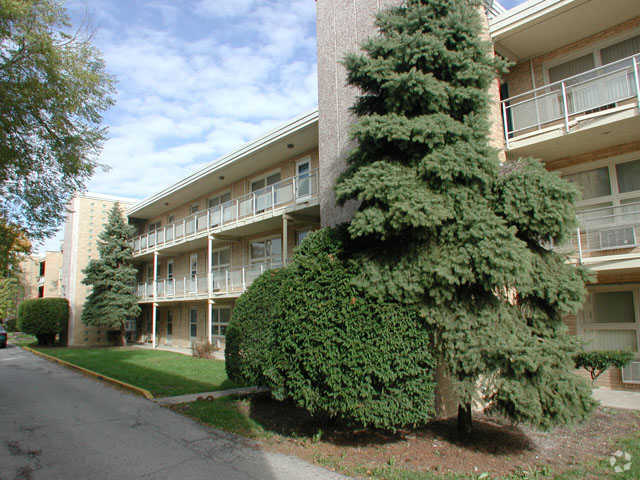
x=223, y=281
x=605, y=229
x=591, y=91
x=289, y=191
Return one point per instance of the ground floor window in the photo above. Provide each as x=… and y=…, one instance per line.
x=130, y=325
x=610, y=319
x=169, y=323
x=220, y=317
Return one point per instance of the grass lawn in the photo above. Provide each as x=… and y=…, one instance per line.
x=497, y=450
x=163, y=373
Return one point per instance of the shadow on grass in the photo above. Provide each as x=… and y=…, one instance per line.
x=284, y=418
x=162, y=373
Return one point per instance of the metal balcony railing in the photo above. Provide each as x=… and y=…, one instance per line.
x=225, y=280
x=591, y=91
x=289, y=191
x=605, y=229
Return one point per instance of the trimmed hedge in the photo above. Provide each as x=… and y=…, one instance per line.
x=44, y=318
x=312, y=337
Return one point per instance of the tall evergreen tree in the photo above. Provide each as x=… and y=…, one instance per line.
x=442, y=226
x=112, y=300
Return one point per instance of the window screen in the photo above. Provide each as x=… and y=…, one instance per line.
x=628, y=176
x=613, y=307
x=592, y=183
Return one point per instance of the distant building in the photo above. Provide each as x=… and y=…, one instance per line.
x=86, y=215
x=40, y=276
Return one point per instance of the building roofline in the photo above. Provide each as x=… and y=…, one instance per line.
x=103, y=196
x=272, y=136
x=526, y=12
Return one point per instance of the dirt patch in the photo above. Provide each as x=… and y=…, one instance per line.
x=496, y=446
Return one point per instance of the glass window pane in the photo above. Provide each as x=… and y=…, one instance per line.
x=611, y=340
x=225, y=198
x=274, y=178
x=628, y=176
x=257, y=250
x=613, y=307
x=571, y=68
x=225, y=315
x=276, y=247
x=620, y=50
x=225, y=257
x=257, y=185
x=593, y=183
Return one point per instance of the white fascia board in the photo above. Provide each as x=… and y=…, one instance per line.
x=270, y=137
x=527, y=12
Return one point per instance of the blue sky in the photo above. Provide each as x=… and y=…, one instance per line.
x=196, y=79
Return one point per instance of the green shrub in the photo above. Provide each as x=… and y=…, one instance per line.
x=312, y=337
x=12, y=324
x=599, y=361
x=43, y=317
x=249, y=336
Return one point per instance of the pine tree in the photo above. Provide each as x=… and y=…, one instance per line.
x=442, y=225
x=112, y=300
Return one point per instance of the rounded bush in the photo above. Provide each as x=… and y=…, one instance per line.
x=314, y=338
x=43, y=317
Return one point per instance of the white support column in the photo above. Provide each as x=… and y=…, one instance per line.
x=153, y=323
x=285, y=237
x=209, y=315
x=209, y=272
x=155, y=295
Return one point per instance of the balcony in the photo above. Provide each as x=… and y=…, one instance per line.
x=224, y=282
x=606, y=232
x=575, y=115
x=261, y=204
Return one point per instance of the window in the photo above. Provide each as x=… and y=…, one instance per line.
x=42, y=266
x=170, y=270
x=592, y=183
x=571, y=68
x=219, y=320
x=219, y=199
x=194, y=208
x=303, y=180
x=301, y=235
x=620, y=50
x=130, y=325
x=221, y=259
x=152, y=227
x=268, y=251
x=265, y=181
x=609, y=320
x=169, y=323
x=170, y=219
x=193, y=323
x=41, y=291
x=149, y=273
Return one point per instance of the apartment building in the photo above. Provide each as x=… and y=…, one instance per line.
x=40, y=276
x=202, y=241
x=86, y=215
x=571, y=100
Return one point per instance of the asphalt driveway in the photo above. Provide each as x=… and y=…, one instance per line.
x=58, y=424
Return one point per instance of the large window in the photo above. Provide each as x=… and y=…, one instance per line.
x=267, y=251
x=220, y=318
x=609, y=320
x=607, y=183
x=219, y=199
x=193, y=323
x=220, y=259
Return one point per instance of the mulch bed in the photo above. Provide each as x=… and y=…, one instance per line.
x=495, y=446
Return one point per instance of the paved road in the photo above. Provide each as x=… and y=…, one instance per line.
x=58, y=424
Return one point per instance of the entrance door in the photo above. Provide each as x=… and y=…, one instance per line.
x=193, y=269
x=169, y=326
x=193, y=324
x=303, y=179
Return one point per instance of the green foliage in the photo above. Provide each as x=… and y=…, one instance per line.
x=43, y=317
x=312, y=337
x=112, y=300
x=442, y=227
x=249, y=336
x=8, y=298
x=53, y=92
x=599, y=361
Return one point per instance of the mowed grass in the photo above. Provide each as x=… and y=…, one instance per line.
x=164, y=374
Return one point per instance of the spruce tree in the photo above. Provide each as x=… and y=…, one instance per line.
x=112, y=300
x=442, y=225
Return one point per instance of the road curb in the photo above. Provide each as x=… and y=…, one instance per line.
x=137, y=390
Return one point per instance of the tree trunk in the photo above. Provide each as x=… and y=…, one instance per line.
x=123, y=336
x=464, y=420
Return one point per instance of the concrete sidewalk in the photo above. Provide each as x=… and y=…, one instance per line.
x=192, y=397
x=627, y=400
